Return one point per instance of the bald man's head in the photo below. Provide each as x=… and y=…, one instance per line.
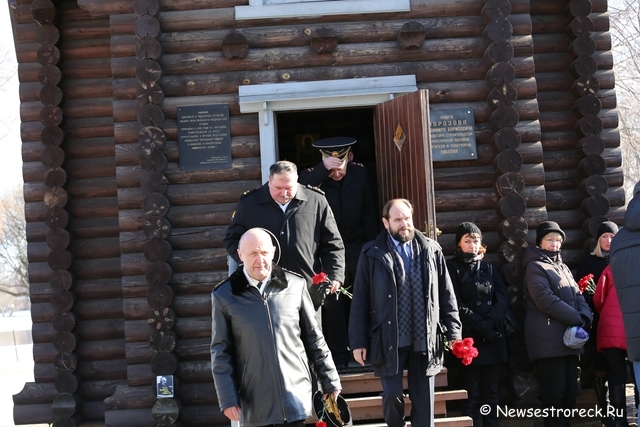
x=256, y=252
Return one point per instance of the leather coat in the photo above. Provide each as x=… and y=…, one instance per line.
x=373, y=323
x=261, y=346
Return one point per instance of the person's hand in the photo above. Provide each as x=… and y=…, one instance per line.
x=491, y=336
x=233, y=413
x=360, y=354
x=331, y=163
x=335, y=286
x=484, y=327
x=335, y=394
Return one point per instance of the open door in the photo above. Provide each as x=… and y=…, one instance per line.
x=403, y=156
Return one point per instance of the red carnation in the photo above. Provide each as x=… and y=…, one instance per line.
x=321, y=424
x=586, y=284
x=320, y=278
x=464, y=350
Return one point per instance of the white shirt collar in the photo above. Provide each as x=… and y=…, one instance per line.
x=253, y=282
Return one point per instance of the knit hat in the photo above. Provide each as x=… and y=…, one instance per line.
x=467, y=228
x=547, y=227
x=607, y=227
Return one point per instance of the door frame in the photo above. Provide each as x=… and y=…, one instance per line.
x=266, y=99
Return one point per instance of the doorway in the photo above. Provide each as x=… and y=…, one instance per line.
x=296, y=131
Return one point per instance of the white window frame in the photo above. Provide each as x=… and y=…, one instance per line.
x=266, y=99
x=261, y=9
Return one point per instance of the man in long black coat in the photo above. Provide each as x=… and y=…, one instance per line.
x=346, y=187
x=299, y=217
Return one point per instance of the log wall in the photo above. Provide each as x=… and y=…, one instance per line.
x=513, y=62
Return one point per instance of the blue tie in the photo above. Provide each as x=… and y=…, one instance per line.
x=406, y=258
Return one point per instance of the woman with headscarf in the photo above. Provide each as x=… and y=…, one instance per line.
x=482, y=305
x=553, y=303
x=595, y=263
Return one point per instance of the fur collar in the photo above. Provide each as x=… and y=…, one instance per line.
x=240, y=284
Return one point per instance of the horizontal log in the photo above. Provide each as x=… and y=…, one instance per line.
x=101, y=329
x=565, y=179
x=183, y=305
x=241, y=169
x=181, y=261
x=572, y=199
x=80, y=128
x=483, y=198
x=567, y=140
x=84, y=269
x=569, y=159
x=74, y=149
x=563, y=81
x=477, y=90
x=564, y=100
x=72, y=89
x=243, y=147
x=564, y=120
x=78, y=208
x=81, y=249
x=554, y=62
x=73, y=108
x=186, y=328
x=180, y=239
x=240, y=125
x=78, y=189
x=92, y=68
x=182, y=216
x=99, y=289
x=100, y=370
x=558, y=42
x=107, y=309
x=80, y=228
x=448, y=222
x=190, y=194
x=187, y=283
x=86, y=350
x=75, y=169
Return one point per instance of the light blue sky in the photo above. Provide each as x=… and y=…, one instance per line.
x=11, y=158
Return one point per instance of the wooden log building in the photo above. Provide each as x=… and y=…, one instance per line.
x=125, y=246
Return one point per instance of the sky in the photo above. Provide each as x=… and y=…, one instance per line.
x=11, y=158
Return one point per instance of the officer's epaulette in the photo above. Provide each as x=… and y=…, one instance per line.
x=357, y=164
x=316, y=189
x=246, y=193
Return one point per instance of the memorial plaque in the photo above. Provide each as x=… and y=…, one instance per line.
x=204, y=137
x=453, y=135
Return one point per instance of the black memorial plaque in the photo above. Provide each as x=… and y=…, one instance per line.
x=204, y=137
x=453, y=135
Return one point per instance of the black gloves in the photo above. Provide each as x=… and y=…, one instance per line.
x=318, y=294
x=483, y=327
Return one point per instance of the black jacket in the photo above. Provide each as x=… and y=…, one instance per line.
x=261, y=345
x=553, y=304
x=481, y=295
x=309, y=238
x=625, y=259
x=351, y=202
x=373, y=323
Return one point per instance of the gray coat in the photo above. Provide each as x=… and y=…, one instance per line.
x=261, y=346
x=553, y=304
x=373, y=323
x=624, y=261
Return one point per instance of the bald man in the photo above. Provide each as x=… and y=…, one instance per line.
x=263, y=323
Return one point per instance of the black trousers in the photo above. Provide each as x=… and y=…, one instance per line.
x=481, y=383
x=420, y=392
x=617, y=360
x=299, y=423
x=334, y=328
x=558, y=378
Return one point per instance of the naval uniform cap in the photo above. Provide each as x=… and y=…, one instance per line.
x=338, y=146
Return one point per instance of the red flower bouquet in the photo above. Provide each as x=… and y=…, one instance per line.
x=322, y=279
x=464, y=349
x=587, y=285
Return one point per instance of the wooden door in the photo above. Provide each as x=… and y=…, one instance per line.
x=403, y=156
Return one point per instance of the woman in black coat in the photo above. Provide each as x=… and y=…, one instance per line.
x=482, y=304
x=595, y=263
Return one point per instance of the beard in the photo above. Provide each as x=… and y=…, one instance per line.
x=403, y=238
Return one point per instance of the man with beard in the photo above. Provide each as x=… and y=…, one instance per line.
x=403, y=304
